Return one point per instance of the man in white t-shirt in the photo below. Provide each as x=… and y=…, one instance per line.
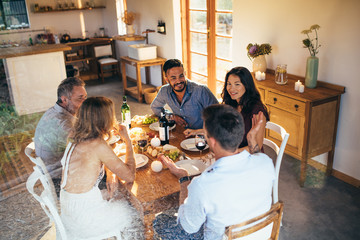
x=237, y=187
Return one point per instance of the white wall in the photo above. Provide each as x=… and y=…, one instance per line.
x=280, y=22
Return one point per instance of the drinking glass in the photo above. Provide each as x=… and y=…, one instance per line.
x=142, y=141
x=200, y=143
x=171, y=123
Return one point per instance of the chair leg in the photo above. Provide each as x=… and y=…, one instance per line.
x=118, y=70
x=102, y=73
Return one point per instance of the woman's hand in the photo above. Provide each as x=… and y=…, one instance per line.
x=177, y=171
x=255, y=132
x=192, y=132
x=122, y=131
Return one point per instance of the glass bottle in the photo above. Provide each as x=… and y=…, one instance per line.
x=125, y=114
x=163, y=128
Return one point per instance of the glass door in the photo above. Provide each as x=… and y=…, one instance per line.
x=208, y=31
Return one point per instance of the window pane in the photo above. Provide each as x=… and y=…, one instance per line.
x=224, y=5
x=224, y=48
x=198, y=4
x=198, y=21
x=13, y=15
x=198, y=78
x=222, y=67
x=199, y=63
x=199, y=42
x=219, y=89
x=224, y=23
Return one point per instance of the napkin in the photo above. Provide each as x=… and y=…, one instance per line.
x=191, y=169
x=190, y=146
x=139, y=159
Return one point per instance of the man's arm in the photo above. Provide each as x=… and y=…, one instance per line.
x=159, y=102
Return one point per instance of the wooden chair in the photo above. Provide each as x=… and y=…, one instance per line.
x=258, y=223
x=279, y=152
x=105, y=57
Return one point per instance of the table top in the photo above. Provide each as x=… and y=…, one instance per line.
x=150, y=187
x=31, y=50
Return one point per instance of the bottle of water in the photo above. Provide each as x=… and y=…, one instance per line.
x=163, y=128
x=125, y=114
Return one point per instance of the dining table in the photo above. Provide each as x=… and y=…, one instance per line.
x=154, y=192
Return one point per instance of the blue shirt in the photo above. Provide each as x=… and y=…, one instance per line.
x=234, y=189
x=196, y=98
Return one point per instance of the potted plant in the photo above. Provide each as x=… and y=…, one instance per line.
x=128, y=19
x=256, y=54
x=312, y=63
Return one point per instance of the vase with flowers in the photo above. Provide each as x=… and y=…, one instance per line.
x=256, y=54
x=128, y=19
x=312, y=62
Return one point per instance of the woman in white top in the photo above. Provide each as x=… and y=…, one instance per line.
x=83, y=210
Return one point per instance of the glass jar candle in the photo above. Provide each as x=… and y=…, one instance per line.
x=281, y=74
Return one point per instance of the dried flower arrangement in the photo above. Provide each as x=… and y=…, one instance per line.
x=128, y=18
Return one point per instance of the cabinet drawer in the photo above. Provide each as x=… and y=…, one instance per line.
x=285, y=103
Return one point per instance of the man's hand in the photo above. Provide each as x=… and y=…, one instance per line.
x=257, y=120
x=178, y=172
x=180, y=121
x=192, y=132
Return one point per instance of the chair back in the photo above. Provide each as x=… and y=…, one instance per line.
x=279, y=152
x=40, y=165
x=102, y=51
x=46, y=200
x=273, y=216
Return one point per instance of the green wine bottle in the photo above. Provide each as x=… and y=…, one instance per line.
x=125, y=113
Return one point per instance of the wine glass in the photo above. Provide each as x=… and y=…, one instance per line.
x=142, y=141
x=171, y=123
x=200, y=142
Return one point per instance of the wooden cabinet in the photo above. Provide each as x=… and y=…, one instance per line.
x=84, y=56
x=310, y=117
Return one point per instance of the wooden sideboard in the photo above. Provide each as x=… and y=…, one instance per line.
x=310, y=118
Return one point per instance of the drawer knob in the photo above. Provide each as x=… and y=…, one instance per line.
x=275, y=99
x=296, y=107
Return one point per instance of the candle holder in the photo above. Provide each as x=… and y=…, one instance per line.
x=281, y=74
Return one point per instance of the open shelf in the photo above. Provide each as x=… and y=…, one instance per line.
x=80, y=60
x=70, y=9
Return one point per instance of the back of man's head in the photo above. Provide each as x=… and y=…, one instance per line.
x=225, y=125
x=67, y=85
x=171, y=63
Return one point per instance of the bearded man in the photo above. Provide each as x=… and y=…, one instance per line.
x=55, y=125
x=186, y=98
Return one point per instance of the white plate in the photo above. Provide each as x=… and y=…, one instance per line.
x=140, y=160
x=155, y=126
x=189, y=144
x=192, y=166
x=114, y=139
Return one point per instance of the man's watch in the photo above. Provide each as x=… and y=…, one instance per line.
x=187, y=178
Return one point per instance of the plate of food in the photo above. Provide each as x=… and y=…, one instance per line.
x=144, y=120
x=155, y=126
x=192, y=166
x=189, y=144
x=140, y=160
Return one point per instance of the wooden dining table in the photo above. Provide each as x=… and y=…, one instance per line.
x=154, y=192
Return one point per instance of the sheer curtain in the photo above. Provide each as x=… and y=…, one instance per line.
x=120, y=8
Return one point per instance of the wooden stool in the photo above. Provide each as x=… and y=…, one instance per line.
x=137, y=91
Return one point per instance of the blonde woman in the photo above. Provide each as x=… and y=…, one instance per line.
x=83, y=210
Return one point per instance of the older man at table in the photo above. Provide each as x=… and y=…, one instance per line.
x=186, y=99
x=235, y=188
x=54, y=126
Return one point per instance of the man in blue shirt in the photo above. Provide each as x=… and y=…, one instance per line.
x=186, y=98
x=237, y=187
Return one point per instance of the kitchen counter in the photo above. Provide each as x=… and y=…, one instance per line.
x=31, y=50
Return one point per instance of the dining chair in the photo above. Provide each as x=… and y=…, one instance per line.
x=251, y=228
x=40, y=165
x=279, y=152
x=105, y=58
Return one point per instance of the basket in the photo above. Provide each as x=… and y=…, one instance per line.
x=150, y=94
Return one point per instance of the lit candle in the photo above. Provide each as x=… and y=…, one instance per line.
x=258, y=75
x=297, y=85
x=263, y=76
x=301, y=88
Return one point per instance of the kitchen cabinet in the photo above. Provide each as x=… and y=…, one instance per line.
x=82, y=55
x=310, y=118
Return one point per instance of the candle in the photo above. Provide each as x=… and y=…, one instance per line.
x=301, y=88
x=297, y=85
x=156, y=166
x=263, y=76
x=258, y=75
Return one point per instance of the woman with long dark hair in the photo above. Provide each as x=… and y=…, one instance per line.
x=240, y=92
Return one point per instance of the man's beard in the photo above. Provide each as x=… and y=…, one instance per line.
x=179, y=90
x=70, y=108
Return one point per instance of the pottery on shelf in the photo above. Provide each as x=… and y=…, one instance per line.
x=312, y=67
x=130, y=30
x=259, y=63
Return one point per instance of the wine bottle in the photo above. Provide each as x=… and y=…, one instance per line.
x=125, y=114
x=163, y=128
